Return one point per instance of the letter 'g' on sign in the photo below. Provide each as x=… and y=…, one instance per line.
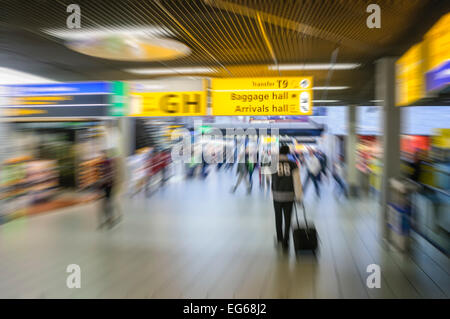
x=169, y=103
x=74, y=279
x=374, y=279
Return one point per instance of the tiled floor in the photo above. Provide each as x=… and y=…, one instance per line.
x=197, y=240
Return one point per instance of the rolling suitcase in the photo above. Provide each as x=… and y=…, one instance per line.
x=305, y=238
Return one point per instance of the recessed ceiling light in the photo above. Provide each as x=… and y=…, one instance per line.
x=315, y=66
x=330, y=87
x=86, y=33
x=153, y=43
x=162, y=71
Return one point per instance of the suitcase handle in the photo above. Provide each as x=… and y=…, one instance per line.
x=304, y=215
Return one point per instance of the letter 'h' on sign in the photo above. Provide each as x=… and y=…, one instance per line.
x=191, y=100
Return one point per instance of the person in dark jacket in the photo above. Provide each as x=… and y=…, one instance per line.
x=107, y=173
x=286, y=189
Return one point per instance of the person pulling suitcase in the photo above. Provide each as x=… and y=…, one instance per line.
x=286, y=189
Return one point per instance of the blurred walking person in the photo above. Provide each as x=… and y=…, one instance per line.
x=323, y=165
x=251, y=166
x=338, y=177
x=266, y=173
x=286, y=189
x=313, y=168
x=243, y=174
x=204, y=167
x=251, y=158
x=230, y=156
x=107, y=179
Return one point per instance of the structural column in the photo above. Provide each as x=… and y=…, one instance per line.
x=4, y=140
x=127, y=141
x=385, y=93
x=350, y=150
x=127, y=130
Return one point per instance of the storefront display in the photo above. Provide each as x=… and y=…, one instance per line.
x=13, y=199
x=25, y=181
x=432, y=202
x=367, y=149
x=57, y=164
x=90, y=141
x=88, y=173
x=411, y=144
x=440, y=153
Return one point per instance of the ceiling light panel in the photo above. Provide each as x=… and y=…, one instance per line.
x=160, y=71
x=82, y=34
x=315, y=66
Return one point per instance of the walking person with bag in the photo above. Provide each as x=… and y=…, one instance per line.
x=107, y=174
x=323, y=165
x=264, y=168
x=243, y=174
x=338, y=177
x=313, y=171
x=286, y=189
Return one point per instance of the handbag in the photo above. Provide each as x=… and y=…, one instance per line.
x=305, y=237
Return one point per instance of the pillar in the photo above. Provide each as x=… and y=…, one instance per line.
x=385, y=92
x=126, y=146
x=127, y=130
x=5, y=138
x=350, y=151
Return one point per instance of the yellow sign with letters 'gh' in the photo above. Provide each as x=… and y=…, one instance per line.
x=170, y=97
x=169, y=104
x=262, y=96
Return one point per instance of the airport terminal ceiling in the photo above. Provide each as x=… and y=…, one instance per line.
x=225, y=38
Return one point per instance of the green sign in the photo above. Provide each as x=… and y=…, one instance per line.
x=205, y=129
x=118, y=102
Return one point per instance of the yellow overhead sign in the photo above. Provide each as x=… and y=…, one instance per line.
x=437, y=55
x=262, y=96
x=168, y=103
x=437, y=41
x=410, y=82
x=425, y=67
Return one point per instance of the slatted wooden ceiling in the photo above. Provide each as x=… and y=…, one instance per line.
x=239, y=37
